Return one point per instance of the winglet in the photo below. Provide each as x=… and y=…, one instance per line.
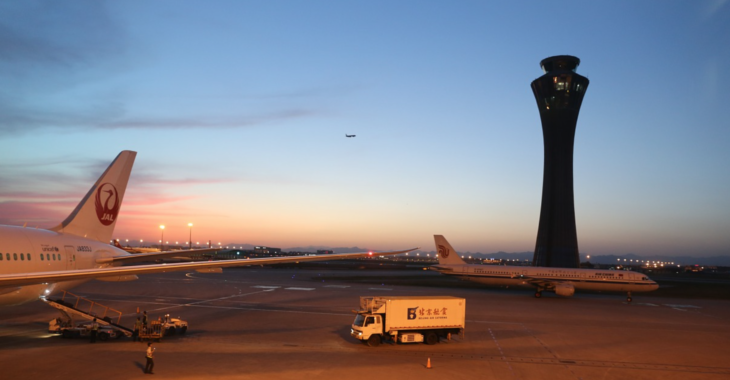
x=96, y=215
x=447, y=254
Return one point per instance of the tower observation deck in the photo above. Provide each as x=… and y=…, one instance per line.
x=559, y=94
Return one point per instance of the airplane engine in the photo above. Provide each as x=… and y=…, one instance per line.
x=564, y=290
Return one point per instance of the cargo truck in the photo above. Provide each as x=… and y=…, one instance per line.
x=408, y=319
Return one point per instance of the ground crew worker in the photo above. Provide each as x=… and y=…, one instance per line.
x=94, y=330
x=137, y=328
x=144, y=319
x=150, y=359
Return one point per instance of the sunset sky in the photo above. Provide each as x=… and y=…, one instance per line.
x=239, y=109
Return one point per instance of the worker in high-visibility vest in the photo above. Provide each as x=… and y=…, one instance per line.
x=94, y=330
x=150, y=358
x=137, y=329
x=144, y=319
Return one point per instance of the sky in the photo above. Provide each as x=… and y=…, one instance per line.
x=239, y=109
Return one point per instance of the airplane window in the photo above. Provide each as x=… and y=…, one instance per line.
x=28, y=256
x=15, y=256
x=7, y=255
x=1, y=257
x=54, y=257
x=22, y=257
x=41, y=257
x=48, y=257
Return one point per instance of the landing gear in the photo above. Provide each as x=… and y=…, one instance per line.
x=538, y=294
x=628, y=297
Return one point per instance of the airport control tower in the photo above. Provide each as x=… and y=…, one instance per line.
x=559, y=94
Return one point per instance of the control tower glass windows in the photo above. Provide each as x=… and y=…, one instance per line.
x=562, y=83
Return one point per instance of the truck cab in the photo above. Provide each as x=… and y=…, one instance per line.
x=367, y=326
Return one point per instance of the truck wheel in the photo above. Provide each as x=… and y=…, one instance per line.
x=432, y=338
x=171, y=331
x=103, y=337
x=67, y=334
x=183, y=329
x=374, y=341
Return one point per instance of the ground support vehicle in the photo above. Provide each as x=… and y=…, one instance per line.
x=408, y=319
x=80, y=308
x=163, y=326
x=82, y=330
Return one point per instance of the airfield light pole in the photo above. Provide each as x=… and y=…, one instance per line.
x=162, y=237
x=190, y=238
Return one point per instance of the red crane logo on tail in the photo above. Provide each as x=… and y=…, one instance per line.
x=443, y=251
x=107, y=203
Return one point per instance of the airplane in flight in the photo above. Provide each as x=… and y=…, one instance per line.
x=35, y=263
x=346, y=135
x=563, y=281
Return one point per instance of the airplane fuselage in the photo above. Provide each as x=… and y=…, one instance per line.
x=544, y=277
x=29, y=250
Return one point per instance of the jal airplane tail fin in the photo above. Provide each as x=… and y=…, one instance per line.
x=447, y=254
x=96, y=215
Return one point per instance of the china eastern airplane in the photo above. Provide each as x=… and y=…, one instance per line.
x=35, y=263
x=563, y=281
x=346, y=135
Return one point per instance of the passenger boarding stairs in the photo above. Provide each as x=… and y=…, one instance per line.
x=79, y=308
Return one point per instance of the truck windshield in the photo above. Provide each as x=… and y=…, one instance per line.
x=359, y=320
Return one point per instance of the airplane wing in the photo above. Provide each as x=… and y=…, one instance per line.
x=20, y=279
x=539, y=283
x=152, y=256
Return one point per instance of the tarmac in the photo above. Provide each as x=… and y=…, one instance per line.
x=293, y=323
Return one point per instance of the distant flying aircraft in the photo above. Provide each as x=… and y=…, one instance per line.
x=35, y=263
x=563, y=281
x=346, y=135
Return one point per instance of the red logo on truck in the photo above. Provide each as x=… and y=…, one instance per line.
x=107, y=203
x=443, y=251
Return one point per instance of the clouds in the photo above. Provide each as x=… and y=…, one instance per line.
x=42, y=36
x=73, y=67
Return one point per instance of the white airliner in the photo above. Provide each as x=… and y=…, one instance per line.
x=35, y=263
x=563, y=281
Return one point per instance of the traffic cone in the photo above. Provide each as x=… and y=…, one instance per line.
x=428, y=364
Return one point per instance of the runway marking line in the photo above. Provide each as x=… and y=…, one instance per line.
x=504, y=358
x=295, y=288
x=198, y=303
x=682, y=306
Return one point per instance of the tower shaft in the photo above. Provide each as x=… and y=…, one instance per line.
x=559, y=94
